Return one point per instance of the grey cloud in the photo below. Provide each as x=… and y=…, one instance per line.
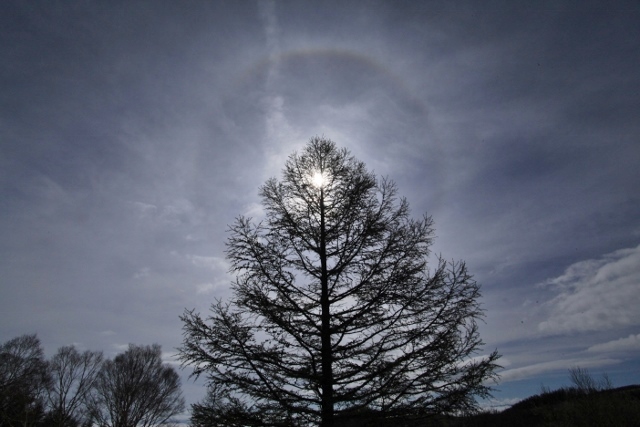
x=132, y=134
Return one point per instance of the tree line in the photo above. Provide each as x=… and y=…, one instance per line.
x=74, y=388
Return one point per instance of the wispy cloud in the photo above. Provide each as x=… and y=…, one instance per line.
x=142, y=273
x=211, y=262
x=179, y=211
x=499, y=404
x=128, y=145
x=537, y=369
x=216, y=271
x=595, y=294
x=267, y=10
x=205, y=288
x=630, y=343
x=281, y=134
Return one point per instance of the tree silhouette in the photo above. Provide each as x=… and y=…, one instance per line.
x=335, y=313
x=24, y=380
x=73, y=376
x=136, y=390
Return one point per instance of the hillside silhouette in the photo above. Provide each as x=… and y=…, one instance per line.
x=571, y=406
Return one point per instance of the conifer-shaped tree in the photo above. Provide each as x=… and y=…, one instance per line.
x=335, y=312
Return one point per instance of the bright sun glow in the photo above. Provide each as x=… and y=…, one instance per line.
x=318, y=179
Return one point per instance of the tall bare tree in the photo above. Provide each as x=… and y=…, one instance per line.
x=335, y=313
x=24, y=380
x=73, y=375
x=136, y=390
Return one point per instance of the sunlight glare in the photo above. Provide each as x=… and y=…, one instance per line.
x=318, y=180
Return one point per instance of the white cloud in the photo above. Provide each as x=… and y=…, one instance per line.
x=271, y=27
x=142, y=273
x=144, y=210
x=499, y=404
x=221, y=277
x=205, y=288
x=281, y=135
x=596, y=294
x=176, y=212
x=121, y=347
x=179, y=211
x=630, y=343
x=170, y=358
x=531, y=371
x=211, y=262
x=254, y=210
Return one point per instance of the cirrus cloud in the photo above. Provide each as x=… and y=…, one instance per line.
x=630, y=343
x=595, y=295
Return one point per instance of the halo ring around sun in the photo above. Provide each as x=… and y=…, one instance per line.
x=265, y=73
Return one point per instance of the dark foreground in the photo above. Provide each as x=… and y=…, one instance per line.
x=619, y=407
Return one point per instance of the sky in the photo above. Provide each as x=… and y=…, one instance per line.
x=132, y=133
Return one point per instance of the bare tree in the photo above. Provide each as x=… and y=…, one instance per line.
x=24, y=380
x=335, y=312
x=584, y=382
x=136, y=390
x=73, y=375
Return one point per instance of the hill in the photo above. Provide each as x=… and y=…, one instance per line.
x=571, y=406
x=575, y=407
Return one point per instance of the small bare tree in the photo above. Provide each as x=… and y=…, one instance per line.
x=136, y=390
x=73, y=376
x=584, y=382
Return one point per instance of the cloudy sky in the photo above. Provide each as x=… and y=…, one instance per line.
x=132, y=133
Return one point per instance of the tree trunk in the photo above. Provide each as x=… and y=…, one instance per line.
x=327, y=369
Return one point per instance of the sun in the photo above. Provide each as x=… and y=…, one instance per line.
x=318, y=179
